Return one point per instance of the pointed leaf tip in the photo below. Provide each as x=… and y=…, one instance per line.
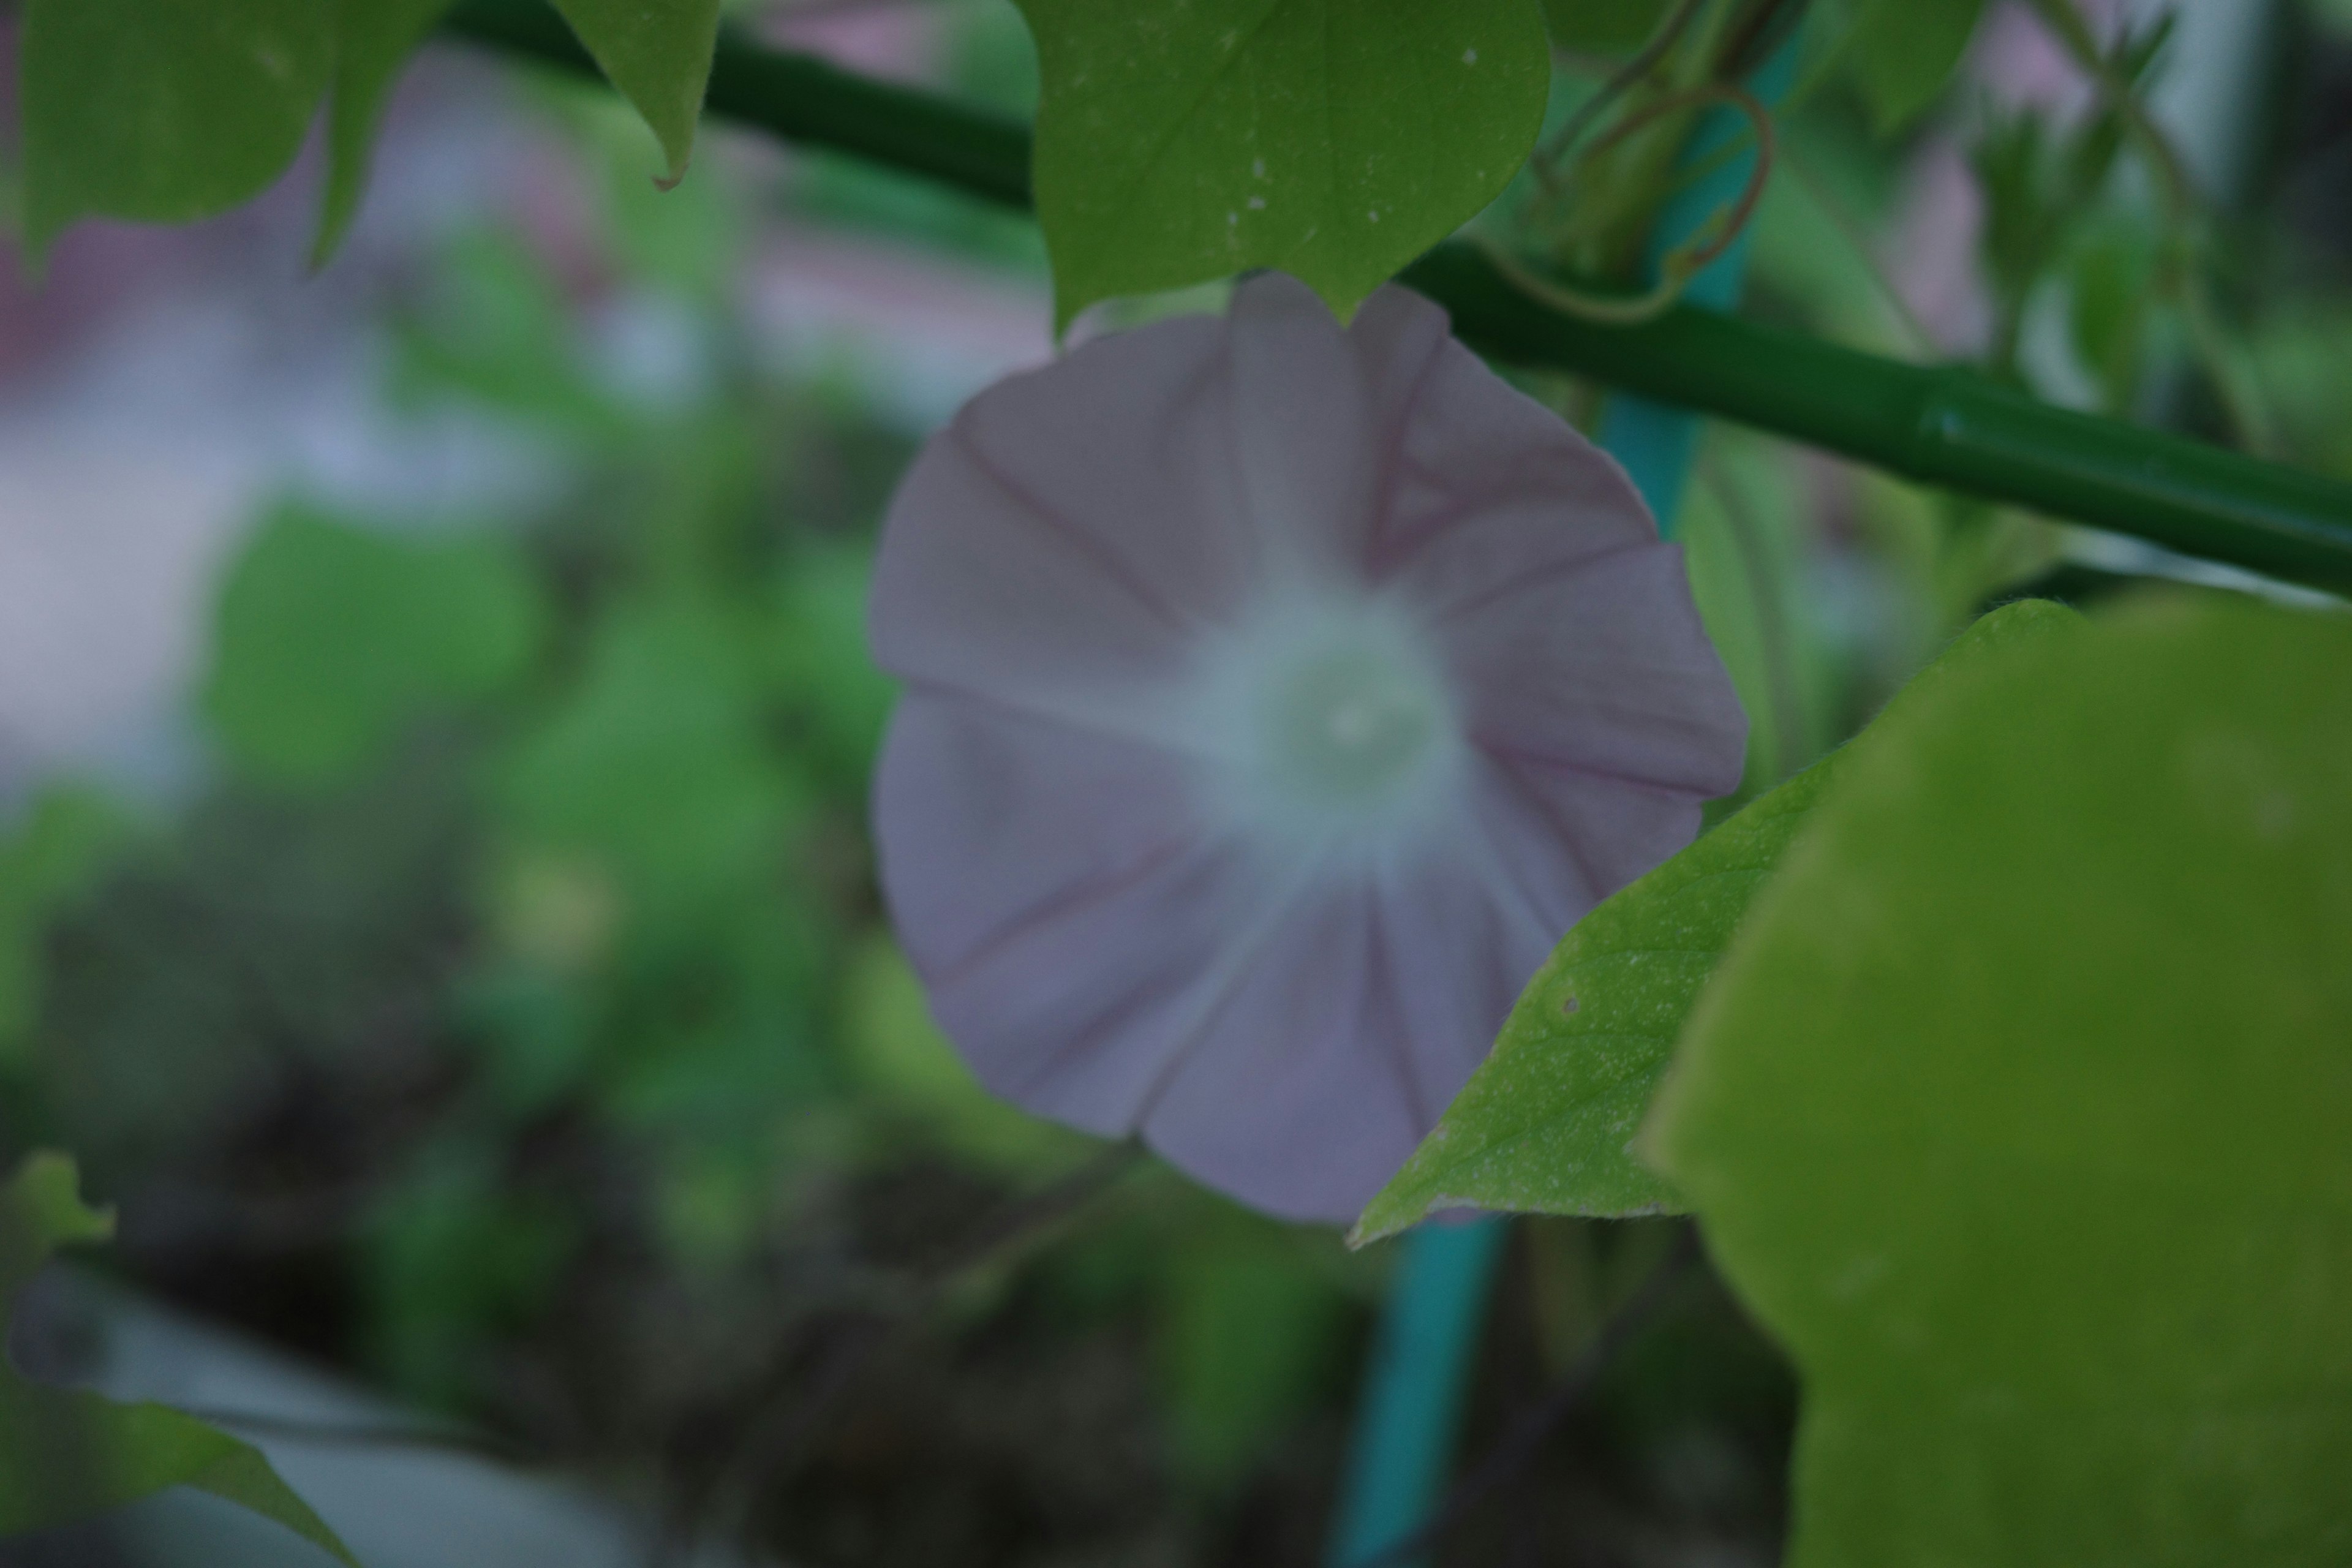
x=657, y=53
x=373, y=40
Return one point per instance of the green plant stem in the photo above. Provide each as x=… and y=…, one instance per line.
x=1937, y=424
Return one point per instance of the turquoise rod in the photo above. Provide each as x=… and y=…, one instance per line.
x=1419, y=1374
x=1427, y=1345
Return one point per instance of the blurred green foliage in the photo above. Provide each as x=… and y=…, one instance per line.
x=510, y=1013
x=1250, y=1339
x=1900, y=52
x=58, y=850
x=373, y=41
x=2039, y=180
x=65, y=1454
x=175, y=111
x=1603, y=26
x=332, y=637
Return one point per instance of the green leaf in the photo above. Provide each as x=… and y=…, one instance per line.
x=1902, y=52
x=2020, y=1108
x=818, y=660
x=1248, y=1336
x=330, y=637
x=495, y=327
x=2112, y=293
x=373, y=40
x=59, y=849
x=163, y=111
x=656, y=764
x=1604, y=27
x=1543, y=1126
x=1182, y=141
x=67, y=1456
x=454, y=1256
x=40, y=1211
x=657, y=53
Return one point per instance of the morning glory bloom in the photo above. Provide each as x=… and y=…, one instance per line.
x=1277, y=695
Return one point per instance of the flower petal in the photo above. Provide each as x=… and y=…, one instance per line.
x=1299, y=1095
x=1057, y=546
x=1061, y=575
x=1055, y=892
x=1468, y=930
x=1495, y=478
x=1562, y=840
x=1398, y=337
x=1353, y=1024
x=1605, y=670
x=1303, y=432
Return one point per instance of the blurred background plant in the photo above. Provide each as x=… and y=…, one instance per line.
x=468, y=968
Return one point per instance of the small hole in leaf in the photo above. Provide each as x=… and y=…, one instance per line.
x=1568, y=1006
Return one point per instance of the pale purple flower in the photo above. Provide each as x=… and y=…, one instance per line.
x=1277, y=695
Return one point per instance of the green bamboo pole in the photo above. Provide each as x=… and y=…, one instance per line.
x=1940, y=426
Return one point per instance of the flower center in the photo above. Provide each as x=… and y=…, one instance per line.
x=1333, y=721
x=1349, y=727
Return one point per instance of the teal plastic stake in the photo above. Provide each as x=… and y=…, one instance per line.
x=1424, y=1348
x=1413, y=1389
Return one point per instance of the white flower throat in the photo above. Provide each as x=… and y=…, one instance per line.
x=1348, y=727
x=1330, y=718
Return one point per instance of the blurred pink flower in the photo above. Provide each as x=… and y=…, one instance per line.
x=1277, y=696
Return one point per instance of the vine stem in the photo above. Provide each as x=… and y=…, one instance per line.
x=1669, y=33
x=1679, y=263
